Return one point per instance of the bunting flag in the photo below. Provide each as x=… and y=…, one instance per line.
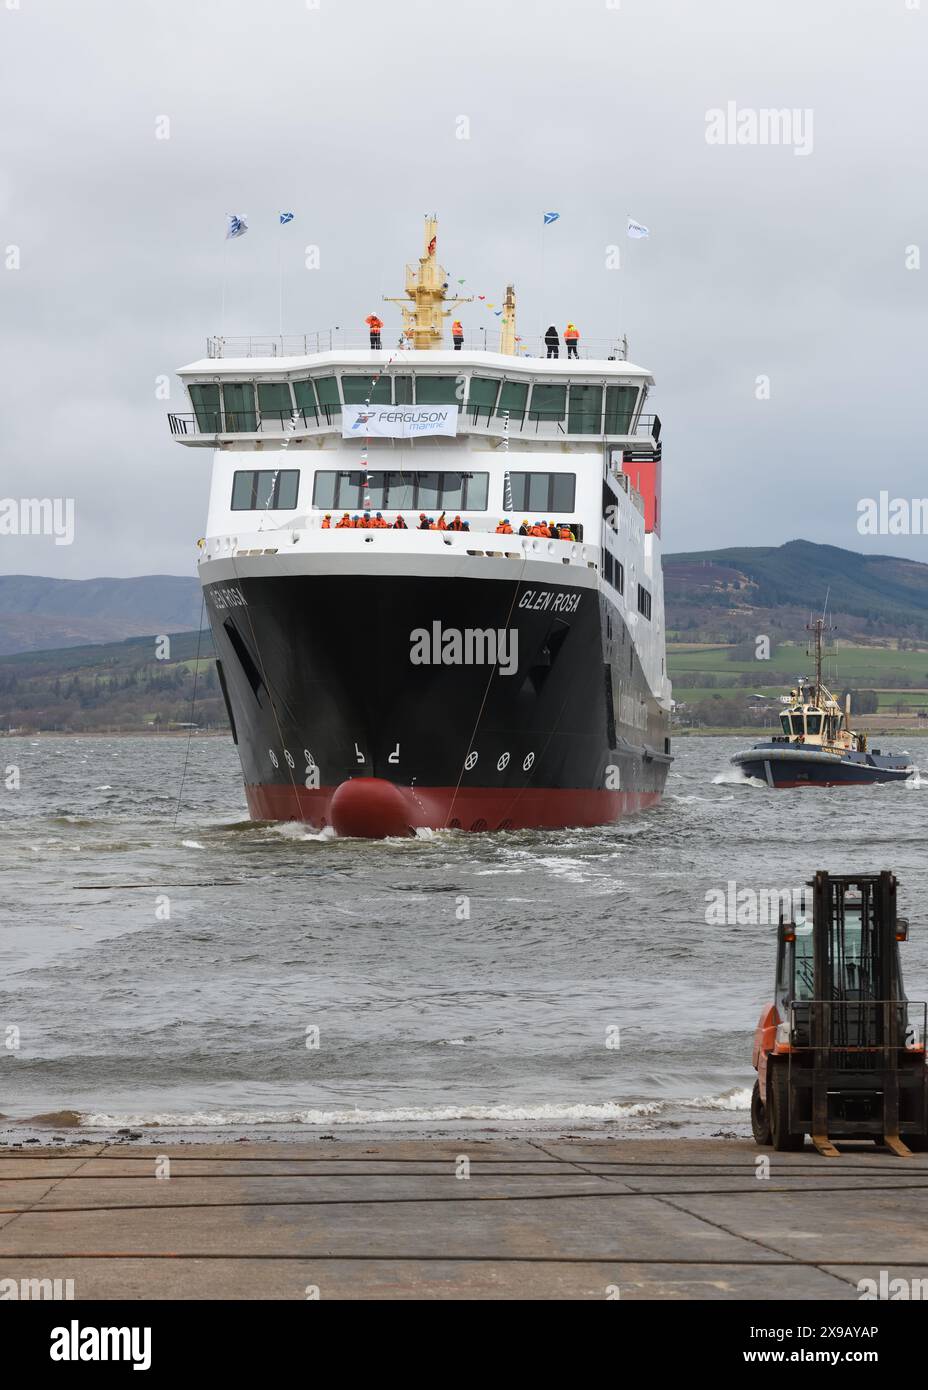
x=636, y=230
x=235, y=226
x=285, y=217
x=551, y=217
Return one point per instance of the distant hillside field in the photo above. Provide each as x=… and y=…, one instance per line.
x=38, y=614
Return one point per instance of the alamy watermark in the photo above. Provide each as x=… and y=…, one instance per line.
x=896, y=516
x=732, y=906
x=38, y=516
x=764, y=125
x=469, y=646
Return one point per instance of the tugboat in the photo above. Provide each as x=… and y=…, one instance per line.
x=818, y=748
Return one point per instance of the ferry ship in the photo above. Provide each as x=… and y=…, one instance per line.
x=818, y=747
x=388, y=678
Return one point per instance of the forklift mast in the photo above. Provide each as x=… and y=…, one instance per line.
x=848, y=1057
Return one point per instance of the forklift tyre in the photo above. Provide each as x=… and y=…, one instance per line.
x=784, y=1140
x=760, y=1120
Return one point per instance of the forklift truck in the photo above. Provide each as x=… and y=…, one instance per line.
x=840, y=1053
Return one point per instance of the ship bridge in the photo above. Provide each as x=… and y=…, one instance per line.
x=250, y=396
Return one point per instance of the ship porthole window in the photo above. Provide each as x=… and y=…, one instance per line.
x=503, y=762
x=470, y=761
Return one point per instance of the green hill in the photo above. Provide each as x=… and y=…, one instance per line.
x=725, y=595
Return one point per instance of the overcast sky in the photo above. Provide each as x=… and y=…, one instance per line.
x=762, y=262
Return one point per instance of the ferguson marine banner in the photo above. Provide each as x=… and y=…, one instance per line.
x=398, y=421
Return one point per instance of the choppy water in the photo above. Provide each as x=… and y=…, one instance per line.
x=453, y=979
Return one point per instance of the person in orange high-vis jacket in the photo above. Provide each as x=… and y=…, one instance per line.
x=572, y=338
x=343, y=521
x=457, y=334
x=441, y=524
x=375, y=325
x=327, y=521
x=504, y=529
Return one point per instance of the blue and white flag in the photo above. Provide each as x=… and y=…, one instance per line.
x=551, y=217
x=236, y=226
x=285, y=217
x=636, y=230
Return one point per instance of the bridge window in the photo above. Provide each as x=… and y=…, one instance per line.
x=585, y=412
x=814, y=723
x=784, y=720
x=329, y=401
x=402, y=390
x=430, y=492
x=644, y=602
x=437, y=390
x=357, y=390
x=512, y=398
x=274, y=402
x=206, y=407
x=797, y=724
x=257, y=490
x=620, y=407
x=482, y=395
x=548, y=403
x=305, y=396
x=547, y=493
x=238, y=398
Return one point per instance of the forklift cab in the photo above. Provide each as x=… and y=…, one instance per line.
x=841, y=1051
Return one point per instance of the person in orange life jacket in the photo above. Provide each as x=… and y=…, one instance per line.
x=423, y=522
x=457, y=334
x=441, y=524
x=504, y=529
x=539, y=529
x=565, y=533
x=379, y=521
x=356, y=521
x=433, y=524
x=399, y=524
x=456, y=525
x=572, y=338
x=552, y=342
x=375, y=325
x=344, y=520
x=327, y=521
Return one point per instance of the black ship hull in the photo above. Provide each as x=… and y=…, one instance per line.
x=354, y=705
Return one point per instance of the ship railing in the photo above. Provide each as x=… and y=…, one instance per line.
x=208, y=423
x=393, y=343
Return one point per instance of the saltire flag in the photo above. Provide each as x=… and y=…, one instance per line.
x=285, y=217
x=235, y=226
x=636, y=230
x=551, y=217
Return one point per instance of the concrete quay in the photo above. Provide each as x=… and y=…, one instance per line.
x=460, y=1218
